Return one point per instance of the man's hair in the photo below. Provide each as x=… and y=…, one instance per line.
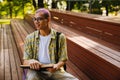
x=45, y=12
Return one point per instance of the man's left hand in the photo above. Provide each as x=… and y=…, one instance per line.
x=55, y=68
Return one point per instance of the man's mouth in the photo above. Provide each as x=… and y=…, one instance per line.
x=38, y=25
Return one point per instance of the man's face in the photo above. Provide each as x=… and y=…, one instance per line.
x=40, y=21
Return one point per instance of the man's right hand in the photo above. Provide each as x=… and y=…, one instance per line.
x=34, y=64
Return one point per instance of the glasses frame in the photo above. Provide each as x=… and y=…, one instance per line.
x=38, y=19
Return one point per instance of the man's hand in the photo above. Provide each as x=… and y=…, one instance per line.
x=55, y=68
x=34, y=64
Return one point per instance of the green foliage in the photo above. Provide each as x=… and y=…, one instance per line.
x=29, y=8
x=76, y=6
x=15, y=8
x=96, y=8
x=83, y=8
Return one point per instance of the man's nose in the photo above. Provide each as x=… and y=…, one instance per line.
x=37, y=21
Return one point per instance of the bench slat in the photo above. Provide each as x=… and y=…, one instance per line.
x=18, y=38
x=17, y=59
x=2, y=56
x=71, y=68
x=13, y=62
x=6, y=55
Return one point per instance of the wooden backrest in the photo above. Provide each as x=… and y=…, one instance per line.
x=107, y=31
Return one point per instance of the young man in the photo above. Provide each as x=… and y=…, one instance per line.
x=40, y=48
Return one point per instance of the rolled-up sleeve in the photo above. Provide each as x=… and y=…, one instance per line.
x=27, y=49
x=63, y=48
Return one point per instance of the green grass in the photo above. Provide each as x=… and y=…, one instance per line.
x=4, y=21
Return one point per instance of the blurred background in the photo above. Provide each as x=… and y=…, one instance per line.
x=17, y=8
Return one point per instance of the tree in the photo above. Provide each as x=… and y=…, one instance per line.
x=34, y=4
x=54, y=4
x=10, y=7
x=115, y=6
x=96, y=7
x=110, y=5
x=40, y=4
x=106, y=4
x=70, y=5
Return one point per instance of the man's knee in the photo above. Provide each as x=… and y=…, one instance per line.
x=32, y=75
x=64, y=76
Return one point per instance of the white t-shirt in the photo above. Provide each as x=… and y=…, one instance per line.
x=43, y=53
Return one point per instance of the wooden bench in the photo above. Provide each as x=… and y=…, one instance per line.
x=18, y=32
x=94, y=59
x=9, y=58
x=97, y=58
x=89, y=24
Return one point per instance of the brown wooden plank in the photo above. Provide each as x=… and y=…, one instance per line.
x=15, y=55
x=91, y=64
x=18, y=38
x=71, y=68
x=6, y=52
x=27, y=26
x=2, y=75
x=82, y=62
x=0, y=37
x=14, y=73
x=22, y=30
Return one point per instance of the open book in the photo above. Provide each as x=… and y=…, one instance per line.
x=42, y=66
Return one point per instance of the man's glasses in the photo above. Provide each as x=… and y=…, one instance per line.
x=38, y=19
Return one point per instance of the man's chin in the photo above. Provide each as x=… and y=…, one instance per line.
x=37, y=27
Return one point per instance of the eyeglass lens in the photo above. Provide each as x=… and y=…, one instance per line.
x=38, y=19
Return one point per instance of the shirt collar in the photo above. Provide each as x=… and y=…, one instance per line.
x=53, y=33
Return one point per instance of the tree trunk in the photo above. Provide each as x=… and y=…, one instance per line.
x=90, y=6
x=40, y=4
x=106, y=9
x=54, y=4
x=70, y=5
x=10, y=9
x=34, y=4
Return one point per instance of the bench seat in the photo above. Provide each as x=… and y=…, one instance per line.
x=9, y=56
x=93, y=58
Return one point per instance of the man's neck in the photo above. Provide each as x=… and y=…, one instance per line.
x=45, y=32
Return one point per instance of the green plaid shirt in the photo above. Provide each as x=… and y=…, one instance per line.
x=31, y=46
